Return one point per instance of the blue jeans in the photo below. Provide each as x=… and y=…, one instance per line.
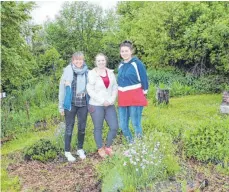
x=98, y=115
x=135, y=114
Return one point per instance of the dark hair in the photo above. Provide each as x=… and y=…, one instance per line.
x=127, y=43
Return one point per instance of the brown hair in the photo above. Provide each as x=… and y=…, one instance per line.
x=127, y=43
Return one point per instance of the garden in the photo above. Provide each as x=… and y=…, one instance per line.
x=186, y=139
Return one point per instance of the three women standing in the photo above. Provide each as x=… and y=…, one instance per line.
x=103, y=89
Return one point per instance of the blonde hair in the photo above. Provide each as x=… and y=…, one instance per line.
x=103, y=55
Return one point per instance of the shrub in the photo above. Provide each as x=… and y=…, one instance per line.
x=210, y=84
x=186, y=84
x=165, y=76
x=177, y=89
x=208, y=140
x=24, y=107
x=15, y=122
x=43, y=150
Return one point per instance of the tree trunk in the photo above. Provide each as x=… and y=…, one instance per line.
x=162, y=95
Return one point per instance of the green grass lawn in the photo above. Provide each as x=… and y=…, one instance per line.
x=182, y=113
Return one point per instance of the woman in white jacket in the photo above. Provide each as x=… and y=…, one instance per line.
x=102, y=89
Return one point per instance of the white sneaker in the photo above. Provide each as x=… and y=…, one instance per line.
x=81, y=154
x=69, y=156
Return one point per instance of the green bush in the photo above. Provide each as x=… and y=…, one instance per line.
x=166, y=77
x=178, y=89
x=24, y=107
x=15, y=122
x=208, y=140
x=182, y=84
x=43, y=150
x=38, y=93
x=211, y=84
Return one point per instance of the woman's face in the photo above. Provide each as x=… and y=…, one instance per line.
x=126, y=53
x=78, y=61
x=100, y=62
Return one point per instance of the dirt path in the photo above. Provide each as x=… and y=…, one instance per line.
x=58, y=175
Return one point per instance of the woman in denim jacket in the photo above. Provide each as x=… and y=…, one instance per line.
x=73, y=101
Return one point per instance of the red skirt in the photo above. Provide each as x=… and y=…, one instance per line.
x=132, y=98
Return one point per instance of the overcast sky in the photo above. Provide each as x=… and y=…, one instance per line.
x=51, y=8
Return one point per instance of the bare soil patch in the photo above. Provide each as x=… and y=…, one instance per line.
x=58, y=175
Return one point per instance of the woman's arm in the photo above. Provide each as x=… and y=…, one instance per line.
x=143, y=77
x=111, y=100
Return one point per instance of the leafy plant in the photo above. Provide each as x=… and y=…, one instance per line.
x=207, y=141
x=138, y=164
x=43, y=150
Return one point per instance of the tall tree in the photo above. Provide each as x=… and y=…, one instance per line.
x=78, y=27
x=111, y=38
x=17, y=60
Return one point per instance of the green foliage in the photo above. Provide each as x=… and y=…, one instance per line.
x=8, y=183
x=139, y=164
x=211, y=84
x=22, y=109
x=78, y=28
x=208, y=140
x=50, y=63
x=195, y=122
x=43, y=150
x=17, y=60
x=186, y=84
x=15, y=122
x=165, y=76
x=58, y=138
x=177, y=89
x=113, y=180
x=189, y=35
x=35, y=95
x=111, y=38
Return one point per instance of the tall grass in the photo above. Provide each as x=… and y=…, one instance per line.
x=21, y=110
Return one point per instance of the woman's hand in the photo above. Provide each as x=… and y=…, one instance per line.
x=62, y=113
x=106, y=103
